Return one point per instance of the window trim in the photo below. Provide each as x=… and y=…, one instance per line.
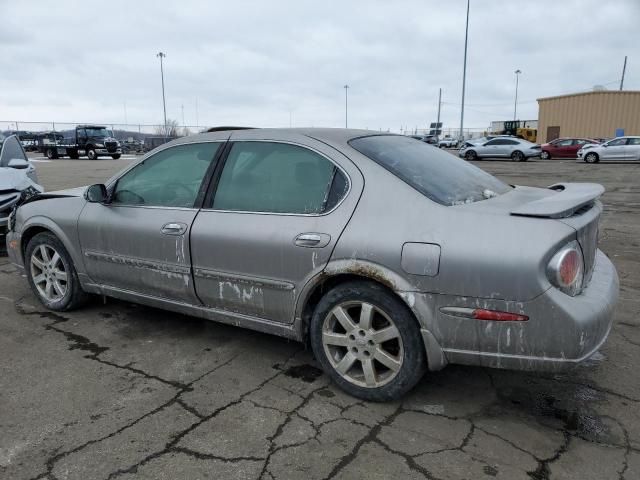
x=213, y=186
x=112, y=183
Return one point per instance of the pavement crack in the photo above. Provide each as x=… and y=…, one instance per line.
x=207, y=456
x=542, y=472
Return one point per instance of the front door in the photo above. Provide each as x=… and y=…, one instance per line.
x=139, y=241
x=614, y=150
x=272, y=223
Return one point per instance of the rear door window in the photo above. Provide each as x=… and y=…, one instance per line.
x=279, y=178
x=440, y=176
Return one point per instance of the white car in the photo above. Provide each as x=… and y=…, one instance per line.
x=625, y=149
x=448, y=142
x=517, y=149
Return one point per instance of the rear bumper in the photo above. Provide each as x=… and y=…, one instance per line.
x=561, y=332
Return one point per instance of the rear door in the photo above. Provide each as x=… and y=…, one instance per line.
x=270, y=226
x=139, y=242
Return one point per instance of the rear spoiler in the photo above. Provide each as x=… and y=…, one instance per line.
x=569, y=198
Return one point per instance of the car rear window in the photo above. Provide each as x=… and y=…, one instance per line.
x=438, y=175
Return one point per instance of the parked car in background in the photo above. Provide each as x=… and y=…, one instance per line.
x=17, y=175
x=517, y=149
x=448, y=142
x=564, y=147
x=285, y=231
x=625, y=149
x=431, y=139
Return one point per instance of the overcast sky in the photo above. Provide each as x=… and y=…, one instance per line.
x=261, y=63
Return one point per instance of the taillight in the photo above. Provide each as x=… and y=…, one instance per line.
x=566, y=268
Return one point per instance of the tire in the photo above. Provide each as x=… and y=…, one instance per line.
x=518, y=156
x=53, y=279
x=591, y=157
x=74, y=155
x=116, y=156
x=471, y=155
x=545, y=155
x=52, y=154
x=91, y=154
x=336, y=346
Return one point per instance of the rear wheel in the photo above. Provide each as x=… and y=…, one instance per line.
x=367, y=341
x=51, y=273
x=591, y=157
x=91, y=154
x=116, y=156
x=74, y=155
x=52, y=154
x=471, y=155
x=518, y=156
x=545, y=155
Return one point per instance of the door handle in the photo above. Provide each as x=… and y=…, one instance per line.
x=312, y=240
x=174, y=228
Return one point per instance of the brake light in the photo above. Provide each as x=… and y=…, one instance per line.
x=566, y=268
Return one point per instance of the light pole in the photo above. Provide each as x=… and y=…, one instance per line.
x=346, y=105
x=164, y=105
x=464, y=74
x=515, y=104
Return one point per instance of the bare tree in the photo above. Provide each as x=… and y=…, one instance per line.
x=169, y=130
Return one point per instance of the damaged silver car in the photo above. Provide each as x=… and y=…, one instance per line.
x=17, y=179
x=388, y=256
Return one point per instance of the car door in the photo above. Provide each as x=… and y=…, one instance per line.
x=564, y=148
x=139, y=240
x=277, y=212
x=490, y=149
x=613, y=149
x=632, y=150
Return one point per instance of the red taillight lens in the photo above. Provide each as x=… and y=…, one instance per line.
x=482, y=314
x=570, y=266
x=565, y=270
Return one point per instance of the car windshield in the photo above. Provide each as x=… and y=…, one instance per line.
x=438, y=175
x=97, y=132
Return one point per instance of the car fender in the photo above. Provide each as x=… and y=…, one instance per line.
x=41, y=221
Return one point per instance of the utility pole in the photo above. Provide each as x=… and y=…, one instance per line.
x=624, y=69
x=515, y=104
x=464, y=74
x=164, y=104
x=346, y=105
x=439, y=104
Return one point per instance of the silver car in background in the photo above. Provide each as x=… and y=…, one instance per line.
x=388, y=256
x=621, y=149
x=517, y=149
x=17, y=176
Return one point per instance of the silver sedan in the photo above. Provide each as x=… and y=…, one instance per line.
x=517, y=149
x=388, y=256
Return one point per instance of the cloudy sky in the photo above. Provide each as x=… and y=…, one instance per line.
x=266, y=63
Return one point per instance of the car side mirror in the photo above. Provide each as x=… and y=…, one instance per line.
x=18, y=163
x=96, y=194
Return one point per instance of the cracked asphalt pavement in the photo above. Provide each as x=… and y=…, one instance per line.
x=117, y=390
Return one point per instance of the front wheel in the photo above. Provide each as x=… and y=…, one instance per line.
x=367, y=341
x=518, y=156
x=51, y=273
x=116, y=156
x=91, y=154
x=545, y=155
x=471, y=155
x=591, y=157
x=52, y=154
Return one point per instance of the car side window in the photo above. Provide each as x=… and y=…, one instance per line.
x=579, y=142
x=11, y=149
x=278, y=178
x=510, y=142
x=491, y=143
x=617, y=142
x=634, y=141
x=565, y=143
x=170, y=178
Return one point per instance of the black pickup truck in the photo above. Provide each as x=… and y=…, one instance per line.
x=91, y=140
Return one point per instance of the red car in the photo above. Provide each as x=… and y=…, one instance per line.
x=563, y=147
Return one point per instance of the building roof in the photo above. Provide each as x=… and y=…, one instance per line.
x=592, y=92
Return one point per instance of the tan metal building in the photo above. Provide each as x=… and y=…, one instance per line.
x=596, y=114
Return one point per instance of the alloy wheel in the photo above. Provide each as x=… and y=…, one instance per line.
x=362, y=344
x=49, y=273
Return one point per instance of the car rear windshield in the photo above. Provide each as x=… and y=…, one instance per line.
x=438, y=175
